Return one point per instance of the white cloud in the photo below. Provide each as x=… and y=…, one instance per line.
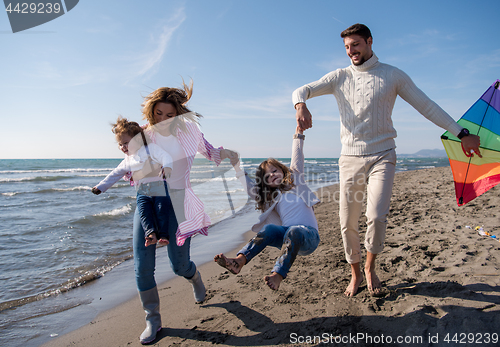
x=338, y=20
x=103, y=24
x=482, y=63
x=427, y=36
x=56, y=74
x=416, y=46
x=56, y=77
x=274, y=106
x=149, y=61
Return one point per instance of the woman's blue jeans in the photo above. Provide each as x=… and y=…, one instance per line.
x=144, y=257
x=293, y=240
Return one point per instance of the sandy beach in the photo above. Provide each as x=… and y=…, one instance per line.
x=442, y=284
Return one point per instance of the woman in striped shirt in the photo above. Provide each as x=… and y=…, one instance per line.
x=173, y=127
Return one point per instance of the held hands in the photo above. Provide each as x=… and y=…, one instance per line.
x=304, y=117
x=165, y=172
x=470, y=144
x=299, y=130
x=233, y=156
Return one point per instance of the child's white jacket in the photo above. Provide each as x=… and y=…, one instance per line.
x=136, y=162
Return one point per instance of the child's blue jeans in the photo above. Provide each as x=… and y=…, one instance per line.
x=292, y=240
x=155, y=208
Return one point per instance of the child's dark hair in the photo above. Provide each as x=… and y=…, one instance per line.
x=265, y=193
x=123, y=126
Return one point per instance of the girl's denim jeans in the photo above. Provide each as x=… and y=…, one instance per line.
x=292, y=240
x=154, y=205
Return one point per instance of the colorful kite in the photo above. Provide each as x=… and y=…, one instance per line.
x=473, y=175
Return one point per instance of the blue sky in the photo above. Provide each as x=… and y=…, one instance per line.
x=64, y=82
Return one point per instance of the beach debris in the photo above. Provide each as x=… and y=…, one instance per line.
x=473, y=175
x=480, y=230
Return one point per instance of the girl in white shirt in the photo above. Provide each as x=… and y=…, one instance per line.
x=287, y=220
x=147, y=163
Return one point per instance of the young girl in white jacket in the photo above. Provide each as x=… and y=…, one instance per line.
x=148, y=166
x=287, y=220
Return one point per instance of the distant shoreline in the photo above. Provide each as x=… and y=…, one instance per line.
x=424, y=153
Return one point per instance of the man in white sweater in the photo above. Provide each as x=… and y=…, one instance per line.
x=366, y=92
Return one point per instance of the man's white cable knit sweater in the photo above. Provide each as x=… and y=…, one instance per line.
x=365, y=96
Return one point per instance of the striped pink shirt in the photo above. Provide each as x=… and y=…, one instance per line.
x=192, y=141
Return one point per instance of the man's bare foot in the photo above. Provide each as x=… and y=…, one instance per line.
x=353, y=286
x=373, y=284
x=234, y=265
x=274, y=280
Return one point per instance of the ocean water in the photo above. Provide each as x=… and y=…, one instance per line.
x=57, y=237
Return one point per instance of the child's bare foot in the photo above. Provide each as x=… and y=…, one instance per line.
x=274, y=280
x=151, y=240
x=234, y=265
x=353, y=286
x=163, y=242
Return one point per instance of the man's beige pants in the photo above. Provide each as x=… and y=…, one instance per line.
x=370, y=176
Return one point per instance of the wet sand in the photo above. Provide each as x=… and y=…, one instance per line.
x=442, y=282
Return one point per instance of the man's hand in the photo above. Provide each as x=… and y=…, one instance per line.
x=304, y=118
x=470, y=144
x=95, y=191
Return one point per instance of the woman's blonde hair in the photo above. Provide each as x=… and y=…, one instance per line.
x=177, y=97
x=123, y=126
x=265, y=193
